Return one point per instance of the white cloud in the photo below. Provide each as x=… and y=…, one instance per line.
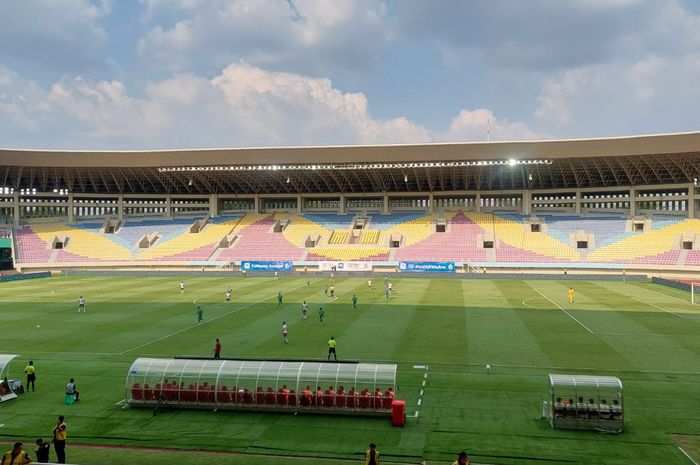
x=242, y=106
x=294, y=35
x=471, y=125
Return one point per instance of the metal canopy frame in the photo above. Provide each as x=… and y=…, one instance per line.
x=558, y=173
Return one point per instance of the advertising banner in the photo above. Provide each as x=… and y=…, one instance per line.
x=427, y=267
x=266, y=266
x=345, y=266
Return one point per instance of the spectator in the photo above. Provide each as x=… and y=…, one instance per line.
x=72, y=390
x=59, y=439
x=42, y=452
x=462, y=459
x=17, y=456
x=372, y=456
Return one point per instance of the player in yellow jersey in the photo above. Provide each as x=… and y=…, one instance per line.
x=571, y=295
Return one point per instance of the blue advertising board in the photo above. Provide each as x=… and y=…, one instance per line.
x=427, y=267
x=266, y=266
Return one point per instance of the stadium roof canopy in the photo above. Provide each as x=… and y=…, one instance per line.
x=488, y=166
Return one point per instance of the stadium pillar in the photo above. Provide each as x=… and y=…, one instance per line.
x=633, y=201
x=213, y=205
x=70, y=207
x=15, y=206
x=478, y=202
x=120, y=207
x=431, y=199
x=342, y=204
x=257, y=203
x=578, y=201
x=299, y=204
x=527, y=202
x=691, y=201
x=386, y=204
x=168, y=206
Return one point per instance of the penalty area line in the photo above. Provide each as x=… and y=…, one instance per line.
x=663, y=309
x=205, y=322
x=567, y=313
x=686, y=454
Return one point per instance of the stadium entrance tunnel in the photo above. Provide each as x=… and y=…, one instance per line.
x=313, y=387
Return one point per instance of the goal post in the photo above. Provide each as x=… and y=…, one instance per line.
x=695, y=293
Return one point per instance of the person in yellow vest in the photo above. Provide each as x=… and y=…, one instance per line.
x=331, y=348
x=59, y=439
x=17, y=456
x=571, y=295
x=372, y=456
x=462, y=459
x=31, y=375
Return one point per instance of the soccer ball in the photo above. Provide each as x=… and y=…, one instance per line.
x=38, y=326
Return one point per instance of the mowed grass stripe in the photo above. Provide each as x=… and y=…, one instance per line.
x=506, y=332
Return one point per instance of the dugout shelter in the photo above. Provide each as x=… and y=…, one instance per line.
x=586, y=403
x=316, y=387
x=7, y=385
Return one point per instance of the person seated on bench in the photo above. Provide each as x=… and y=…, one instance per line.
x=604, y=410
x=616, y=410
x=581, y=408
x=592, y=409
x=559, y=408
x=570, y=408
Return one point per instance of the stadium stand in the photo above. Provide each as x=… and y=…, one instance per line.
x=285, y=236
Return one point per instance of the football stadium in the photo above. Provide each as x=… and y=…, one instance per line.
x=530, y=302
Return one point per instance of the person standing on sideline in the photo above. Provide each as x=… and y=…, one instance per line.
x=228, y=295
x=42, y=452
x=200, y=314
x=81, y=304
x=31, y=375
x=570, y=293
x=279, y=298
x=72, y=390
x=182, y=287
x=59, y=439
x=285, y=332
x=462, y=459
x=17, y=456
x=372, y=455
x=321, y=314
x=354, y=301
x=331, y=348
x=217, y=349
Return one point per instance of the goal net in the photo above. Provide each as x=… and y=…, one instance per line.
x=695, y=293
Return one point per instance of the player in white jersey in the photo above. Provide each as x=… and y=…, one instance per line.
x=305, y=309
x=285, y=332
x=369, y=284
x=81, y=304
x=228, y=295
x=182, y=287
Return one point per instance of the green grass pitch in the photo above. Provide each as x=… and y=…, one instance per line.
x=647, y=335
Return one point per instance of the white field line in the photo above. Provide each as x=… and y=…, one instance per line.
x=663, y=309
x=686, y=454
x=123, y=401
x=524, y=302
x=207, y=321
x=567, y=313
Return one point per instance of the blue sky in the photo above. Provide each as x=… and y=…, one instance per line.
x=128, y=74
